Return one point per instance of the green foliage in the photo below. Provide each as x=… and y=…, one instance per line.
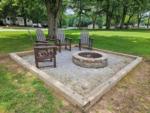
x=8, y=8
x=146, y=20
x=114, y=12
x=71, y=21
x=132, y=21
x=117, y=12
x=37, y=11
x=31, y=9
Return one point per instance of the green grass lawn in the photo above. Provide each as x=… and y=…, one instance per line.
x=135, y=42
x=20, y=92
x=14, y=41
x=132, y=42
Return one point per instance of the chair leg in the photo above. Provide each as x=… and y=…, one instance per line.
x=37, y=65
x=90, y=48
x=70, y=46
x=59, y=48
x=59, y=45
x=91, y=45
x=55, y=61
x=80, y=46
x=51, y=59
x=65, y=46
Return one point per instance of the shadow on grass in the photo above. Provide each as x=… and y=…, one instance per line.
x=15, y=43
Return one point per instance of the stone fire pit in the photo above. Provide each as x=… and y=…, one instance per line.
x=90, y=59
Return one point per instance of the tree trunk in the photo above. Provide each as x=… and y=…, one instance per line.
x=79, y=23
x=52, y=25
x=123, y=16
x=53, y=11
x=108, y=20
x=61, y=19
x=25, y=21
x=37, y=21
x=139, y=20
x=129, y=20
x=94, y=22
x=23, y=13
x=148, y=21
x=60, y=23
x=80, y=14
x=117, y=20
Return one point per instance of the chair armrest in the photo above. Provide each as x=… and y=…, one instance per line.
x=91, y=39
x=79, y=40
x=70, y=39
x=55, y=41
x=42, y=44
x=41, y=41
x=51, y=39
x=45, y=47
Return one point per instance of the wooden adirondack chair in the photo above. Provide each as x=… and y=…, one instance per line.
x=61, y=40
x=40, y=37
x=85, y=40
x=45, y=53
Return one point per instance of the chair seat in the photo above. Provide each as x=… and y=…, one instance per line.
x=44, y=60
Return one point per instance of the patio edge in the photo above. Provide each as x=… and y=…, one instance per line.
x=58, y=87
x=84, y=103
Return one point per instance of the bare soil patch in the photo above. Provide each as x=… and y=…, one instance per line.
x=131, y=94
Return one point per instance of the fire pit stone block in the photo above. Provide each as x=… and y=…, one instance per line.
x=92, y=59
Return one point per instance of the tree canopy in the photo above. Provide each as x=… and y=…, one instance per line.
x=116, y=13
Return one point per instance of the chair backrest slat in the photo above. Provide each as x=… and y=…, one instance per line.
x=84, y=37
x=60, y=36
x=40, y=35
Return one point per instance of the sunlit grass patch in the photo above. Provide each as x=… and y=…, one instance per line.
x=23, y=93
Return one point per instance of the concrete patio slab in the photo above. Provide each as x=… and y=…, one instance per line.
x=81, y=86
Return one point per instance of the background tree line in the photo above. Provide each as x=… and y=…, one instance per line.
x=110, y=13
x=28, y=9
x=113, y=12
